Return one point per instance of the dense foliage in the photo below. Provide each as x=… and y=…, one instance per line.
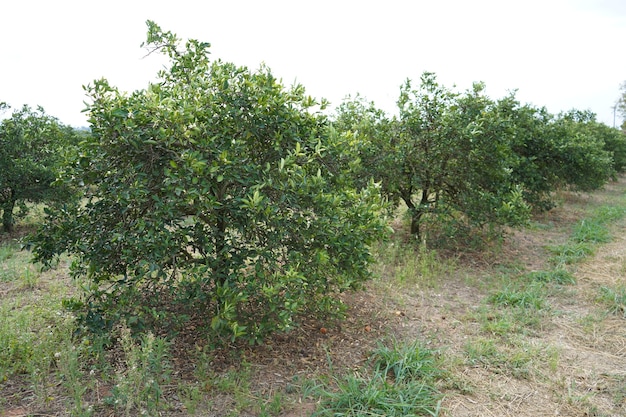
x=469, y=161
x=211, y=195
x=33, y=146
x=558, y=152
x=445, y=156
x=586, y=163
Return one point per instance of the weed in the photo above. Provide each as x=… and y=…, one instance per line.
x=272, y=406
x=504, y=323
x=405, y=361
x=512, y=296
x=592, y=323
x=590, y=231
x=401, y=384
x=10, y=264
x=69, y=363
x=609, y=214
x=30, y=334
x=499, y=324
x=516, y=359
x=308, y=387
x=203, y=371
x=139, y=385
x=234, y=379
x=458, y=382
x=574, y=398
x=236, y=383
x=16, y=342
x=412, y=266
x=6, y=252
x=570, y=253
x=586, y=234
x=191, y=396
x=518, y=362
x=557, y=276
x=618, y=391
x=481, y=351
x=28, y=279
x=376, y=396
x=614, y=299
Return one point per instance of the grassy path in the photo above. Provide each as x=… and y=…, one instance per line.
x=542, y=331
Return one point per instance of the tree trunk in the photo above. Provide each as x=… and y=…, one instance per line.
x=220, y=272
x=7, y=215
x=219, y=269
x=416, y=213
x=416, y=217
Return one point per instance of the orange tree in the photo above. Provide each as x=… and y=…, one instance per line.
x=32, y=150
x=446, y=155
x=211, y=195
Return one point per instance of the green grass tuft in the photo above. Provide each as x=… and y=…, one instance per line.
x=570, y=253
x=586, y=234
x=401, y=384
x=530, y=298
x=557, y=276
x=614, y=299
x=591, y=231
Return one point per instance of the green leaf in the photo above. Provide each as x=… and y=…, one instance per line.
x=120, y=112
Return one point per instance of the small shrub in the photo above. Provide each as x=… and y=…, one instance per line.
x=224, y=201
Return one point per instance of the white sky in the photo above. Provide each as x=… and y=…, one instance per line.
x=561, y=54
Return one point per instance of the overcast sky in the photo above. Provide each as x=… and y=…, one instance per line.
x=561, y=54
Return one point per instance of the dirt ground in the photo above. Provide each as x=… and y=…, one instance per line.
x=581, y=368
x=587, y=374
x=580, y=349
